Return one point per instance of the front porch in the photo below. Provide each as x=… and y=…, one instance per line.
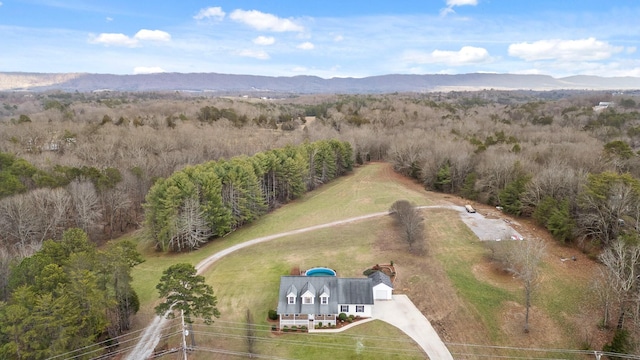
x=309, y=320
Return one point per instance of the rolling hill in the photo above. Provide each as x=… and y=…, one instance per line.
x=214, y=82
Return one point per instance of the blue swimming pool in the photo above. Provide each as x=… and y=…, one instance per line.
x=320, y=271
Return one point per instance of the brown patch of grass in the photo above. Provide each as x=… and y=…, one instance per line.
x=493, y=274
x=543, y=331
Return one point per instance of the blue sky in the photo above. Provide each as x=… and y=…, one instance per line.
x=326, y=38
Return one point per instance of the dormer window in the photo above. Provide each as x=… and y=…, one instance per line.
x=308, y=293
x=292, y=292
x=324, y=295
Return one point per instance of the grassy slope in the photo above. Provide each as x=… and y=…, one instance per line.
x=464, y=306
x=350, y=196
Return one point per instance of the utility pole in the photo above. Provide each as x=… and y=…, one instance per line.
x=184, y=337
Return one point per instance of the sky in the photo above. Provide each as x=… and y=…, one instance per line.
x=329, y=38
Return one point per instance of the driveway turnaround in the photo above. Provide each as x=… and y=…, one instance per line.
x=401, y=313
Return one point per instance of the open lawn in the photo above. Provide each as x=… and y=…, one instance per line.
x=467, y=299
x=369, y=189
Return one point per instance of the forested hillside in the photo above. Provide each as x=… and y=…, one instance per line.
x=89, y=160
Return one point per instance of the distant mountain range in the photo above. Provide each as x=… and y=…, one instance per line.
x=213, y=82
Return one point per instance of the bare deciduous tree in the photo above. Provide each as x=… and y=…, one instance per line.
x=52, y=210
x=522, y=259
x=86, y=204
x=18, y=220
x=191, y=228
x=622, y=261
x=603, y=289
x=411, y=224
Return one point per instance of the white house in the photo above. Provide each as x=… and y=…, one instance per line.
x=309, y=300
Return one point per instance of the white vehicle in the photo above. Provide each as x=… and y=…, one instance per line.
x=469, y=209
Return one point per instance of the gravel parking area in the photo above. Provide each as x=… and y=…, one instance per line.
x=488, y=229
x=484, y=228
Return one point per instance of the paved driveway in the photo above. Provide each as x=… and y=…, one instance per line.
x=401, y=313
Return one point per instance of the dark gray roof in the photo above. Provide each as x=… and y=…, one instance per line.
x=379, y=277
x=340, y=290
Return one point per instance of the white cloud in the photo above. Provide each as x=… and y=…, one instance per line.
x=264, y=40
x=0, y=3
x=257, y=54
x=338, y=38
x=299, y=69
x=262, y=21
x=117, y=39
x=306, y=46
x=453, y=3
x=631, y=49
x=566, y=50
x=109, y=19
x=152, y=35
x=215, y=13
x=462, y=2
x=465, y=56
x=147, y=70
x=113, y=39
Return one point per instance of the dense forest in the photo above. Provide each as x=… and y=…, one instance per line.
x=100, y=161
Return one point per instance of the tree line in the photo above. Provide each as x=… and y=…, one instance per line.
x=212, y=199
x=68, y=296
x=545, y=155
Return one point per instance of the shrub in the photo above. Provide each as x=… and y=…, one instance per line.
x=273, y=315
x=342, y=316
x=319, y=324
x=273, y=328
x=619, y=344
x=368, y=272
x=295, y=270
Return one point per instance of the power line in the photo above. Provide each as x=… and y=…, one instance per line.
x=224, y=330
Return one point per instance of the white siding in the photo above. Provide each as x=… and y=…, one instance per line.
x=382, y=292
x=352, y=310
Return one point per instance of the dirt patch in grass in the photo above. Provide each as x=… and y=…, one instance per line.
x=493, y=274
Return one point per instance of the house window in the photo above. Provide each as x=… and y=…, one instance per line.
x=307, y=300
x=324, y=300
x=344, y=308
x=291, y=299
x=359, y=308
